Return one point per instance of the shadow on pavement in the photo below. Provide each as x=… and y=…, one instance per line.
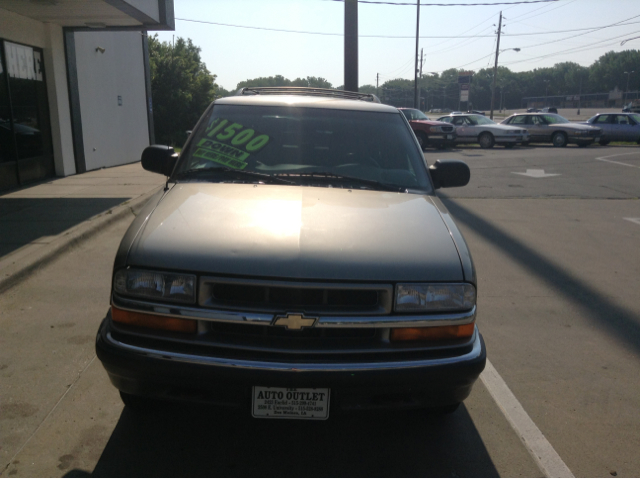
x=202, y=441
x=28, y=220
x=619, y=322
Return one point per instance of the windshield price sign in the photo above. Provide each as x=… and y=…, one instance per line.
x=230, y=144
x=290, y=403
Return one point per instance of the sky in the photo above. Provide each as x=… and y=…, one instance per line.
x=387, y=43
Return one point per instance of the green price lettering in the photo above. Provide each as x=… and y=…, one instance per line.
x=216, y=129
x=257, y=143
x=242, y=137
x=229, y=131
x=235, y=135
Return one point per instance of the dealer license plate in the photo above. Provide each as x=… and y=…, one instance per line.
x=290, y=403
x=449, y=137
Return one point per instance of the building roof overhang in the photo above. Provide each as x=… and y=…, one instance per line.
x=97, y=14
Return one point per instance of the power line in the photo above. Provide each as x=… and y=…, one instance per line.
x=573, y=49
x=373, y=2
x=541, y=13
x=400, y=36
x=581, y=34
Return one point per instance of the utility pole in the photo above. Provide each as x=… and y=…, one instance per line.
x=495, y=66
x=421, y=60
x=377, y=80
x=415, y=70
x=351, y=45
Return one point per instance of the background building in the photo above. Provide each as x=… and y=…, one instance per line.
x=74, y=85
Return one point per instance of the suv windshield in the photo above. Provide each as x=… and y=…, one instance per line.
x=304, y=146
x=413, y=114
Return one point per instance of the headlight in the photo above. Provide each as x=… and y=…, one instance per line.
x=433, y=297
x=178, y=288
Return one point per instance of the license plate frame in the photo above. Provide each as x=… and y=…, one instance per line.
x=449, y=137
x=290, y=403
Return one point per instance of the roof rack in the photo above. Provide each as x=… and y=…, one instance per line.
x=306, y=91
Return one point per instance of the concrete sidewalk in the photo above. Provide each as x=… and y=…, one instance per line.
x=41, y=221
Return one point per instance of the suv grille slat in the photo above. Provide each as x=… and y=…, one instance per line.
x=267, y=296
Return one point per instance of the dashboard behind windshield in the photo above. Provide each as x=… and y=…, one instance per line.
x=296, y=142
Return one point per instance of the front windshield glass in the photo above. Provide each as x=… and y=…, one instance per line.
x=552, y=118
x=480, y=120
x=304, y=146
x=413, y=114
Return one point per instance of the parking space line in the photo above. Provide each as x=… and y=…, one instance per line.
x=633, y=220
x=604, y=158
x=543, y=453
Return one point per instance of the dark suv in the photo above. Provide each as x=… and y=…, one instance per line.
x=297, y=261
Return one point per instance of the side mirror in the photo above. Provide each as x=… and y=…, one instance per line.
x=449, y=173
x=159, y=159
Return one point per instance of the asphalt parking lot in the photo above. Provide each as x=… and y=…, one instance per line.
x=554, y=234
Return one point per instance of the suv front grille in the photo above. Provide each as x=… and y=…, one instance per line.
x=447, y=129
x=278, y=332
x=277, y=296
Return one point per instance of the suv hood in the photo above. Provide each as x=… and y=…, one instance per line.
x=297, y=232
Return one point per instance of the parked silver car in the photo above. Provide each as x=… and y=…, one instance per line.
x=297, y=261
x=486, y=132
x=617, y=126
x=555, y=129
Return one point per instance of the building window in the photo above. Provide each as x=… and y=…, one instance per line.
x=25, y=142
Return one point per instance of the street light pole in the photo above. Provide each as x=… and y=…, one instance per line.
x=627, y=89
x=546, y=91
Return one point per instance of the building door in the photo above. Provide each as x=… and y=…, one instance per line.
x=26, y=152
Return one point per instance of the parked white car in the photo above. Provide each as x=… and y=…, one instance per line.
x=486, y=132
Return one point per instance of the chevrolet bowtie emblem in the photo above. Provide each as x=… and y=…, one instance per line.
x=294, y=321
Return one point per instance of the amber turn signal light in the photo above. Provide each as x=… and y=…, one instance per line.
x=432, y=333
x=153, y=321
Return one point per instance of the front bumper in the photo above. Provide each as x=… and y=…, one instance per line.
x=441, y=139
x=583, y=139
x=354, y=385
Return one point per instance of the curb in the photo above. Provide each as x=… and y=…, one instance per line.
x=14, y=271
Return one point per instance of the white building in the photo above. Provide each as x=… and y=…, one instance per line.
x=74, y=85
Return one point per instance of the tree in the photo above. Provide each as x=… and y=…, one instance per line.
x=370, y=89
x=181, y=88
x=279, y=80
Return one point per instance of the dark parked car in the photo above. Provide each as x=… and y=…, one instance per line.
x=297, y=261
x=555, y=129
x=617, y=126
x=549, y=109
x=429, y=132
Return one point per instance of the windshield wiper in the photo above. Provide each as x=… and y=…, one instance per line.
x=326, y=175
x=199, y=172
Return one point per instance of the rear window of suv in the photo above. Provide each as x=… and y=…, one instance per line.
x=278, y=140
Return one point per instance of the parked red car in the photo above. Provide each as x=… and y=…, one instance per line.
x=430, y=132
